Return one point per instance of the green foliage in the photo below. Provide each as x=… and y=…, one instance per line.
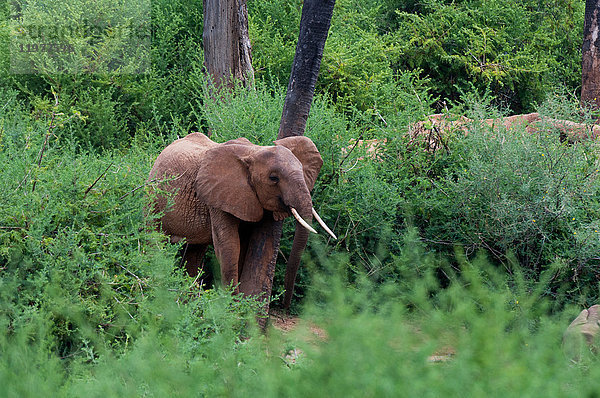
x=71, y=242
x=523, y=50
x=273, y=28
x=138, y=67
x=380, y=340
x=530, y=194
x=84, y=272
x=254, y=114
x=93, y=300
x=85, y=37
x=513, y=192
x=356, y=62
x=520, y=51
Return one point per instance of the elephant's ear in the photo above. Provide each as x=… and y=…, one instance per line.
x=223, y=182
x=307, y=153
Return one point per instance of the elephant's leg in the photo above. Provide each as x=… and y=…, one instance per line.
x=226, y=240
x=192, y=258
x=245, y=231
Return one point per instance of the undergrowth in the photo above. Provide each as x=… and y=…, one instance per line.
x=93, y=300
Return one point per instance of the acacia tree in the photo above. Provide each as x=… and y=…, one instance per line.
x=590, y=82
x=314, y=27
x=258, y=271
x=227, y=49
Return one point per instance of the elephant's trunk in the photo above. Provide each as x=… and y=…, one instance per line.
x=303, y=212
x=301, y=207
x=300, y=240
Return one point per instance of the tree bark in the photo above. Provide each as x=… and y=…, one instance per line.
x=590, y=82
x=259, y=264
x=314, y=26
x=227, y=56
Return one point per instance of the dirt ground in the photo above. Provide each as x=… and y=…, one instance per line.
x=288, y=323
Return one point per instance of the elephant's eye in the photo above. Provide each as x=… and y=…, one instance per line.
x=274, y=178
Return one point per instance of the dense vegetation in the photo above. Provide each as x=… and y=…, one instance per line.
x=484, y=249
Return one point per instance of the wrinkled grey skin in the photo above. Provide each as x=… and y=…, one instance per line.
x=221, y=190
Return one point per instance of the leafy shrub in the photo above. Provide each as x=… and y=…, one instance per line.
x=273, y=29
x=254, y=114
x=113, y=102
x=71, y=236
x=373, y=50
x=84, y=272
x=90, y=303
x=512, y=191
x=522, y=50
x=381, y=339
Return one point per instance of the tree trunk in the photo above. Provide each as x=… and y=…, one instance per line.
x=259, y=264
x=226, y=42
x=227, y=55
x=590, y=83
x=261, y=256
x=314, y=26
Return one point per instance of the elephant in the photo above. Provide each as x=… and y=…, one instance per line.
x=222, y=190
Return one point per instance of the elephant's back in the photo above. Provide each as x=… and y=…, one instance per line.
x=175, y=171
x=182, y=156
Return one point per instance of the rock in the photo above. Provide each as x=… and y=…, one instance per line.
x=582, y=333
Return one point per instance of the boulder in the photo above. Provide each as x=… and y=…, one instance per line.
x=582, y=333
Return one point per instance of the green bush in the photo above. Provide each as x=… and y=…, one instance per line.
x=492, y=332
x=522, y=50
x=273, y=28
x=83, y=268
x=513, y=192
x=154, y=90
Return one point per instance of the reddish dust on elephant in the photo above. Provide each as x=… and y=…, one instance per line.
x=221, y=191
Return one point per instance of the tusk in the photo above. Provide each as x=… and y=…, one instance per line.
x=325, y=227
x=301, y=221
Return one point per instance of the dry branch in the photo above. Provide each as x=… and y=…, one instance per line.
x=432, y=131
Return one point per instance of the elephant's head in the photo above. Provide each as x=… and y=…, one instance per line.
x=245, y=179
